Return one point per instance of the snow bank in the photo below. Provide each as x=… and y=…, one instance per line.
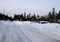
x=51, y=30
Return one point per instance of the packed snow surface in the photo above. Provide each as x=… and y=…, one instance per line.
x=18, y=31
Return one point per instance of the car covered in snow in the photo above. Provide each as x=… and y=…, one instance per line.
x=43, y=22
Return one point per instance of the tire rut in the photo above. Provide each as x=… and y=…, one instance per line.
x=3, y=38
x=18, y=28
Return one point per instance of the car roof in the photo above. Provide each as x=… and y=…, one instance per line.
x=43, y=21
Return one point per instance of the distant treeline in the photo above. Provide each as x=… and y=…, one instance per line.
x=52, y=17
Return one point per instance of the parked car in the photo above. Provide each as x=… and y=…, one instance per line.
x=44, y=22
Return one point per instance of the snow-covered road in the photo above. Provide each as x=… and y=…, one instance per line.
x=21, y=32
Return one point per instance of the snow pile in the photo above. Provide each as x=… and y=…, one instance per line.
x=52, y=30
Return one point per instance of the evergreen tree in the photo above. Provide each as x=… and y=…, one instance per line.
x=34, y=17
x=29, y=17
x=38, y=18
x=58, y=16
x=49, y=15
x=24, y=14
x=53, y=13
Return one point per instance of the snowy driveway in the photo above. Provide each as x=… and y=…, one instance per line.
x=21, y=32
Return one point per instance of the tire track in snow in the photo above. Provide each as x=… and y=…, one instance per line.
x=18, y=29
x=19, y=35
x=3, y=38
x=30, y=35
x=13, y=34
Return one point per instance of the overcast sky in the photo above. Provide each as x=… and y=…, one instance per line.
x=40, y=7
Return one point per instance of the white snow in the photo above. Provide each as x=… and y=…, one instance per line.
x=19, y=31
